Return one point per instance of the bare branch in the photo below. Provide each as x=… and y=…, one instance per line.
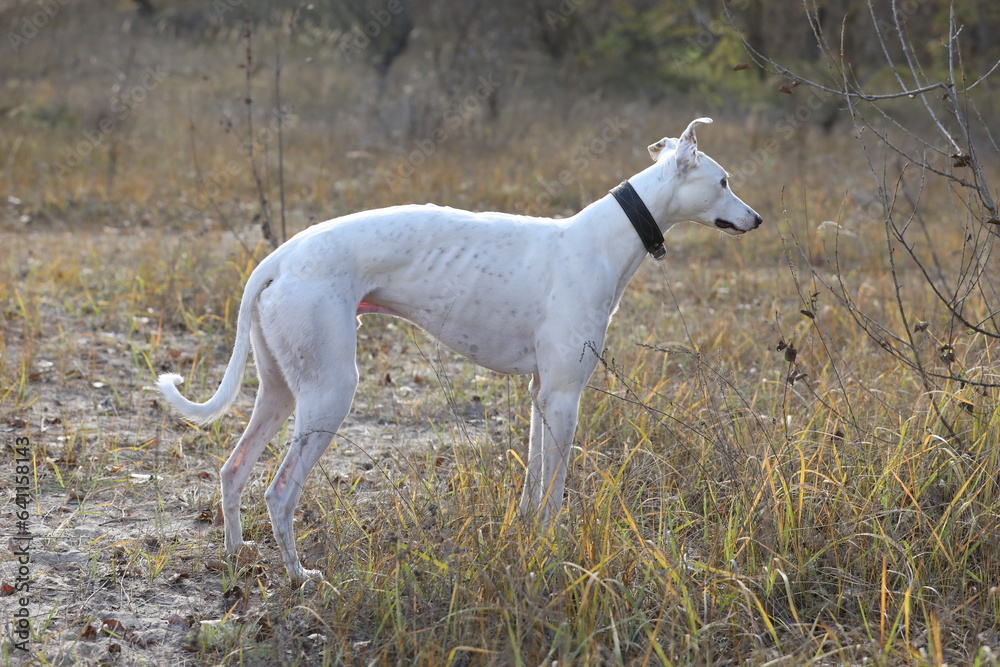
x=200, y=181
x=267, y=229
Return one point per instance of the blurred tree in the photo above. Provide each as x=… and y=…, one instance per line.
x=375, y=30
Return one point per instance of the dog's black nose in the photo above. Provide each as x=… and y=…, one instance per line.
x=756, y=221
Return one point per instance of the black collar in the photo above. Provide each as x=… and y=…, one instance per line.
x=641, y=219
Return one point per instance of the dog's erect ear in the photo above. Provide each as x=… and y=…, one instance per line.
x=686, y=154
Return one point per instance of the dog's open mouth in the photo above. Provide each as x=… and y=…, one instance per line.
x=725, y=224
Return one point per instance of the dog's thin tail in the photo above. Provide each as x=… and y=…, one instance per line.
x=215, y=407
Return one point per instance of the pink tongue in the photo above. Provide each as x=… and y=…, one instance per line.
x=365, y=307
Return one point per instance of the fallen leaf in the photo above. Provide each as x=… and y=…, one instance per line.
x=113, y=626
x=177, y=577
x=182, y=621
x=215, y=565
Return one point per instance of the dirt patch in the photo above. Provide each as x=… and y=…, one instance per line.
x=128, y=567
x=126, y=562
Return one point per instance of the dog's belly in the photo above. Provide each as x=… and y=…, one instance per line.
x=513, y=356
x=487, y=337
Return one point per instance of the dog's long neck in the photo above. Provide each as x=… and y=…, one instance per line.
x=653, y=186
x=608, y=230
x=611, y=227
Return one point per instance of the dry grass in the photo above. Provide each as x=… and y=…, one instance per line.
x=717, y=514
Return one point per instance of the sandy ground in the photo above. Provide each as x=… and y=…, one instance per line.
x=126, y=562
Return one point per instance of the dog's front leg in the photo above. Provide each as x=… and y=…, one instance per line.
x=558, y=411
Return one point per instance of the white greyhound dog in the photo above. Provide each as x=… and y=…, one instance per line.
x=515, y=294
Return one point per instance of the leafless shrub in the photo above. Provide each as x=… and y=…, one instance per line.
x=926, y=138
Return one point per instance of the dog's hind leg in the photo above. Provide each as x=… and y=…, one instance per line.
x=317, y=418
x=319, y=365
x=273, y=406
x=531, y=495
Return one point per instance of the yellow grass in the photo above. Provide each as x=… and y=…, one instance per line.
x=716, y=514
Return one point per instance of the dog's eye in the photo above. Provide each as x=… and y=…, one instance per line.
x=723, y=183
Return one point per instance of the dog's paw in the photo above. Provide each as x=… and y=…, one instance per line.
x=304, y=577
x=233, y=543
x=244, y=553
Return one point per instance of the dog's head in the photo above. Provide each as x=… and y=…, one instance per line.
x=701, y=186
